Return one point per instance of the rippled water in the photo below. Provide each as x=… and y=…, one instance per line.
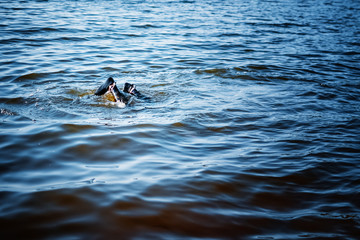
x=252, y=131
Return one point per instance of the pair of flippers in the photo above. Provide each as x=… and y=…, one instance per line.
x=110, y=86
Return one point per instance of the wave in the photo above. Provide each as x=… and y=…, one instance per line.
x=34, y=76
x=261, y=73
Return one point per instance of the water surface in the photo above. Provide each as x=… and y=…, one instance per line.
x=252, y=131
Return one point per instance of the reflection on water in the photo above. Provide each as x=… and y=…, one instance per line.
x=251, y=131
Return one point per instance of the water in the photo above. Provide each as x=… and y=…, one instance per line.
x=252, y=131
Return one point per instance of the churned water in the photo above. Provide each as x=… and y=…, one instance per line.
x=252, y=131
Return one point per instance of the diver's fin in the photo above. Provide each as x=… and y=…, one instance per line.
x=104, y=87
x=131, y=88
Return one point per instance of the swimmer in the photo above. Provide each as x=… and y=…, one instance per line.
x=120, y=97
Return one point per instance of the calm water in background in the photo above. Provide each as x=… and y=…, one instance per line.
x=252, y=131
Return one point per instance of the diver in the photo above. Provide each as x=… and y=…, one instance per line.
x=119, y=96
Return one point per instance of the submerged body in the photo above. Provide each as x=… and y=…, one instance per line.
x=120, y=98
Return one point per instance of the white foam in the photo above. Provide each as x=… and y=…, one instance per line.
x=119, y=104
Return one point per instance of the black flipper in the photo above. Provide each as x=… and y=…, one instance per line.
x=105, y=87
x=130, y=88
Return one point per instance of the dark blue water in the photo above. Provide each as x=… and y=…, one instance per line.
x=252, y=131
